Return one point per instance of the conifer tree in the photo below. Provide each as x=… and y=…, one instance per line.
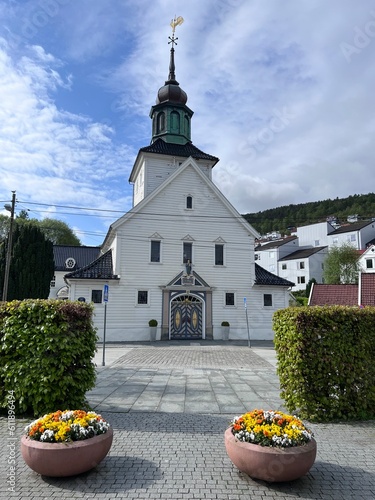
x=32, y=264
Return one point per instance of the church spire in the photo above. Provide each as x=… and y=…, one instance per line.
x=170, y=116
x=173, y=41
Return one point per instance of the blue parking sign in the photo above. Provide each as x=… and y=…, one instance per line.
x=105, y=293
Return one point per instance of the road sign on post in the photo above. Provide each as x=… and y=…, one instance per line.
x=105, y=293
x=105, y=300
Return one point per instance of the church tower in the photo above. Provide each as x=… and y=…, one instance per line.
x=170, y=143
x=170, y=116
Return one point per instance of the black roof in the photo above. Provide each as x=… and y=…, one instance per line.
x=101, y=268
x=274, y=243
x=303, y=253
x=263, y=277
x=353, y=226
x=82, y=256
x=184, y=150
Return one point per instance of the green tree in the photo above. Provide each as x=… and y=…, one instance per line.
x=32, y=265
x=341, y=265
x=58, y=232
x=55, y=230
x=308, y=286
x=4, y=226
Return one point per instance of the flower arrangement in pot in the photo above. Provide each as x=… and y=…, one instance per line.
x=270, y=445
x=66, y=443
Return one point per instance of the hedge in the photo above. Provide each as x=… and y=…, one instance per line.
x=46, y=350
x=326, y=361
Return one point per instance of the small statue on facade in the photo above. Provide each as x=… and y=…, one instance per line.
x=188, y=268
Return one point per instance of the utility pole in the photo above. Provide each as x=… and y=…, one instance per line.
x=10, y=209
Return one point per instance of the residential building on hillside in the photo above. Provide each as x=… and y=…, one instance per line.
x=358, y=234
x=314, y=235
x=303, y=265
x=171, y=257
x=268, y=254
x=301, y=256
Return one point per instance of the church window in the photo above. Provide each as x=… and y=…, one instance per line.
x=187, y=127
x=155, y=251
x=189, y=202
x=96, y=296
x=175, y=122
x=161, y=122
x=229, y=299
x=142, y=297
x=187, y=252
x=219, y=255
x=267, y=300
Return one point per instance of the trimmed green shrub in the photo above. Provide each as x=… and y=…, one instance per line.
x=46, y=349
x=153, y=322
x=326, y=361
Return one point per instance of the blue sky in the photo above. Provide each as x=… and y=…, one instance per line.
x=282, y=93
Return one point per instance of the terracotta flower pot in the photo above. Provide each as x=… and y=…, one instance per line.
x=65, y=459
x=268, y=463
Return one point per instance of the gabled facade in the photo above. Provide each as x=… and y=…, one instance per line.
x=367, y=260
x=182, y=255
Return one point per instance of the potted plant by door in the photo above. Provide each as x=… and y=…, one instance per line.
x=270, y=445
x=153, y=327
x=225, y=326
x=66, y=443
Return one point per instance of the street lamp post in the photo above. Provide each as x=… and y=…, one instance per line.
x=10, y=209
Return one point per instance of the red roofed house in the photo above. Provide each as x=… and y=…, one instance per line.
x=345, y=295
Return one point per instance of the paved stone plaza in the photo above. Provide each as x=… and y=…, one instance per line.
x=169, y=406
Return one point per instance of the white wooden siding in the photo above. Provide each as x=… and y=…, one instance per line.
x=209, y=220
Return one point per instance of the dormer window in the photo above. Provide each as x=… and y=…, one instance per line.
x=189, y=202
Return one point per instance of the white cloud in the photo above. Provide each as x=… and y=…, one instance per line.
x=275, y=97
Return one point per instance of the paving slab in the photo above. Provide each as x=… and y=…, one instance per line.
x=169, y=411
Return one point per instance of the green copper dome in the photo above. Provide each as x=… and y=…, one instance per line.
x=170, y=116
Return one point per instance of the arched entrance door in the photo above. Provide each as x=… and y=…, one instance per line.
x=186, y=317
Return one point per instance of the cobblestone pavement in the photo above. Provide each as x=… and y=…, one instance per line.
x=167, y=454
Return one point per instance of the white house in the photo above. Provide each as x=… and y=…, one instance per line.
x=300, y=257
x=268, y=254
x=303, y=265
x=357, y=234
x=315, y=235
x=69, y=258
x=182, y=255
x=367, y=260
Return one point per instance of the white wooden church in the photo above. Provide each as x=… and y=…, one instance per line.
x=182, y=255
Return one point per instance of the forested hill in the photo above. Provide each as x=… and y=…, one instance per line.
x=282, y=219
